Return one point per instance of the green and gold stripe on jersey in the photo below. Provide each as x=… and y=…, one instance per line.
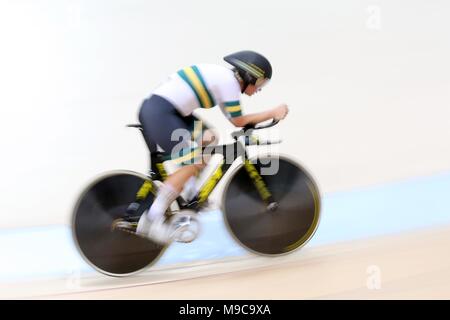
x=192, y=76
x=233, y=108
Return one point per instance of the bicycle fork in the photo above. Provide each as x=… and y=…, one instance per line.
x=260, y=185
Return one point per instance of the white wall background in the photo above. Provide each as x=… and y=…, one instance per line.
x=368, y=83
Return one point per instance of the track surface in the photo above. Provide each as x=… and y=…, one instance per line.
x=404, y=266
x=376, y=211
x=412, y=263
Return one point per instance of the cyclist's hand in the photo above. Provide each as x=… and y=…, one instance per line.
x=280, y=112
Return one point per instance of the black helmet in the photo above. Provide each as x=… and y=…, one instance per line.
x=250, y=65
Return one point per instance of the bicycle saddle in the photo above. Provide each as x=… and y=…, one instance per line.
x=135, y=125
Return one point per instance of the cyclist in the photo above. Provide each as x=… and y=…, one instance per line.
x=170, y=108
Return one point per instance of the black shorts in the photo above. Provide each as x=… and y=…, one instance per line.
x=165, y=127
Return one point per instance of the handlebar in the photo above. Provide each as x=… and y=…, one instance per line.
x=247, y=132
x=256, y=127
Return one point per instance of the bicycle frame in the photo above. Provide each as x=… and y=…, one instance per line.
x=158, y=172
x=239, y=151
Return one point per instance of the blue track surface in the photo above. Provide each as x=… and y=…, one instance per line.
x=367, y=212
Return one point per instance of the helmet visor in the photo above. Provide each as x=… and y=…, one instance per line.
x=261, y=82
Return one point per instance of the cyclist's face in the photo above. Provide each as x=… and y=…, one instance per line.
x=251, y=89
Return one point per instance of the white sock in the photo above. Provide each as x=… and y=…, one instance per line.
x=166, y=195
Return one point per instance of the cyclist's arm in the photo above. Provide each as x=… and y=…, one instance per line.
x=253, y=118
x=278, y=113
x=232, y=110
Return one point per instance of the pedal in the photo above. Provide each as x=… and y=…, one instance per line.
x=186, y=226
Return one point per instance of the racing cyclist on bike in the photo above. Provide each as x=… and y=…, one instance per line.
x=170, y=107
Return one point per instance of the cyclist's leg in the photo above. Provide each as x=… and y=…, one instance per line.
x=159, y=120
x=188, y=157
x=202, y=134
x=153, y=111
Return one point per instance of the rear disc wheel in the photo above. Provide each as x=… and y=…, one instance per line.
x=110, y=250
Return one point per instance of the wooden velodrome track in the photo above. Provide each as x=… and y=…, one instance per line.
x=414, y=265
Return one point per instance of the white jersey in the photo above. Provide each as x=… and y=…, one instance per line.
x=202, y=86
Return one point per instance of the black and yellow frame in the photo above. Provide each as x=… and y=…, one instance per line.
x=238, y=151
